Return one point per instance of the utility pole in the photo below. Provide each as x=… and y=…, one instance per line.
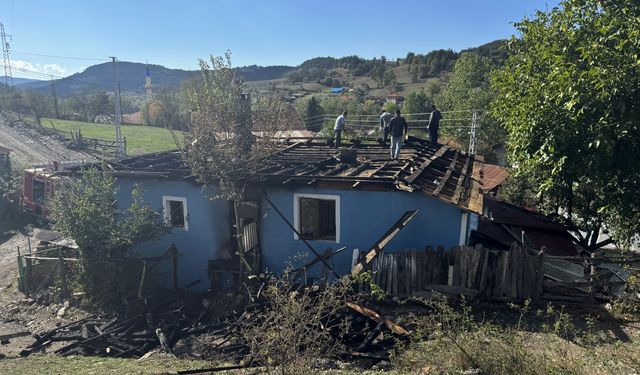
x=8, y=76
x=56, y=109
x=120, y=152
x=473, y=137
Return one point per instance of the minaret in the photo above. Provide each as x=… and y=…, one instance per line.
x=147, y=83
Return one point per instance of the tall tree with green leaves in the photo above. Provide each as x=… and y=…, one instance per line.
x=416, y=102
x=470, y=90
x=569, y=98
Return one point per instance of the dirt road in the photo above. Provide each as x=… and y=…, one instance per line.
x=31, y=147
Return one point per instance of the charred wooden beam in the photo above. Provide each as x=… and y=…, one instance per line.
x=443, y=181
x=383, y=241
x=463, y=176
x=441, y=151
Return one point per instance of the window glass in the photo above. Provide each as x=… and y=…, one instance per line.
x=176, y=213
x=317, y=219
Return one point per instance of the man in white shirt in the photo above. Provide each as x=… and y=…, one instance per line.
x=385, y=118
x=341, y=121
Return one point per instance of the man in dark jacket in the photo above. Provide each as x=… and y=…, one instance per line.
x=398, y=128
x=434, y=124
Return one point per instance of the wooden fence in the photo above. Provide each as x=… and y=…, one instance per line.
x=79, y=142
x=473, y=271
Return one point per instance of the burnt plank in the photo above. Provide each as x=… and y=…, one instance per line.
x=447, y=175
x=441, y=151
x=463, y=176
x=383, y=241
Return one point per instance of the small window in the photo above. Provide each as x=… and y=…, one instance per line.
x=317, y=217
x=175, y=212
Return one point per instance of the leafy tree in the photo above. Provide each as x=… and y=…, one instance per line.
x=84, y=210
x=311, y=112
x=569, y=98
x=470, y=89
x=100, y=103
x=389, y=78
x=377, y=74
x=165, y=111
x=219, y=144
x=409, y=58
x=416, y=102
x=12, y=100
x=37, y=104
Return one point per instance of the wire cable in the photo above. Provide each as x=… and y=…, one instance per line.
x=58, y=57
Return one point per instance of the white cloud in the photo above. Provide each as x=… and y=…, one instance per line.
x=28, y=69
x=54, y=69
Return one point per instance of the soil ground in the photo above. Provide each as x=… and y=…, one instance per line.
x=32, y=147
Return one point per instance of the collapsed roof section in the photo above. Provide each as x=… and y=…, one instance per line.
x=439, y=171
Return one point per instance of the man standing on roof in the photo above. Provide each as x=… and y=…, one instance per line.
x=398, y=128
x=434, y=124
x=385, y=117
x=341, y=121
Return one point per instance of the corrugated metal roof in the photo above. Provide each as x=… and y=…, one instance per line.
x=493, y=175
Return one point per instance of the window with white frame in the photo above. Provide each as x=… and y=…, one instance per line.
x=175, y=212
x=317, y=217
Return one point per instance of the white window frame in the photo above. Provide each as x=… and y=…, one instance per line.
x=167, y=214
x=296, y=212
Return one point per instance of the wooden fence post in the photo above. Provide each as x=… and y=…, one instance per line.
x=540, y=274
x=142, y=277
x=592, y=278
x=62, y=276
x=27, y=276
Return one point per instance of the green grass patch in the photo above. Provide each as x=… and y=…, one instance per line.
x=140, y=139
x=48, y=364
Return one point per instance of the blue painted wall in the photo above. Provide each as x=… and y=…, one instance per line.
x=364, y=217
x=208, y=226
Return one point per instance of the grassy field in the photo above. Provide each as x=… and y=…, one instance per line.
x=140, y=139
x=49, y=364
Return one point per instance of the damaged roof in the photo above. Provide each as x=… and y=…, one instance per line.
x=504, y=223
x=439, y=171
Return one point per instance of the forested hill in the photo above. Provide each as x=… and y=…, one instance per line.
x=131, y=75
x=132, y=78
x=426, y=65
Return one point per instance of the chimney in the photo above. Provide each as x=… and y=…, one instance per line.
x=245, y=126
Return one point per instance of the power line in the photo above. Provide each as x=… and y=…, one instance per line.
x=59, y=57
x=46, y=76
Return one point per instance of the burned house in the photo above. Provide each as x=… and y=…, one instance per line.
x=333, y=199
x=349, y=197
x=200, y=226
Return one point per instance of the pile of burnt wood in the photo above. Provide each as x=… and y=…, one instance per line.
x=157, y=326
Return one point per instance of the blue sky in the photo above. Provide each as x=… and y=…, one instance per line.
x=277, y=32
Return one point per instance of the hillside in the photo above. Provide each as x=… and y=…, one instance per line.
x=20, y=81
x=132, y=78
x=313, y=75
